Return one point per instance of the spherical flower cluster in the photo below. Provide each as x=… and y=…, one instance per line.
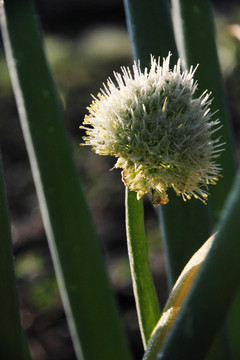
x=160, y=134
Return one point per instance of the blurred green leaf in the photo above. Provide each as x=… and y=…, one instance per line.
x=175, y=300
x=195, y=34
x=76, y=254
x=212, y=292
x=10, y=325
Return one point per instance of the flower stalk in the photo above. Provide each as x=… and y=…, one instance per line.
x=143, y=286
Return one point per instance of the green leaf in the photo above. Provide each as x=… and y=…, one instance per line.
x=212, y=292
x=195, y=34
x=197, y=45
x=185, y=227
x=176, y=299
x=150, y=29
x=12, y=341
x=92, y=316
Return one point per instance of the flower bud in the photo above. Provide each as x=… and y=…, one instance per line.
x=159, y=132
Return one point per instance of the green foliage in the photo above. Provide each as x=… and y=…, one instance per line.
x=206, y=298
x=213, y=291
x=10, y=326
x=76, y=254
x=192, y=37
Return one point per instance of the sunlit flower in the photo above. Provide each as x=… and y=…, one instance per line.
x=160, y=134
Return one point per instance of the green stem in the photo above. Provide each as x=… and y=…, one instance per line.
x=144, y=290
x=150, y=29
x=91, y=311
x=213, y=291
x=11, y=336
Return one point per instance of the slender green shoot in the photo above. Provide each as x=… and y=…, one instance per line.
x=144, y=290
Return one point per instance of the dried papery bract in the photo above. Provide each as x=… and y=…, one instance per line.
x=160, y=134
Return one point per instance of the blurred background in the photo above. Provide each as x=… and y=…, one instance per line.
x=86, y=40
